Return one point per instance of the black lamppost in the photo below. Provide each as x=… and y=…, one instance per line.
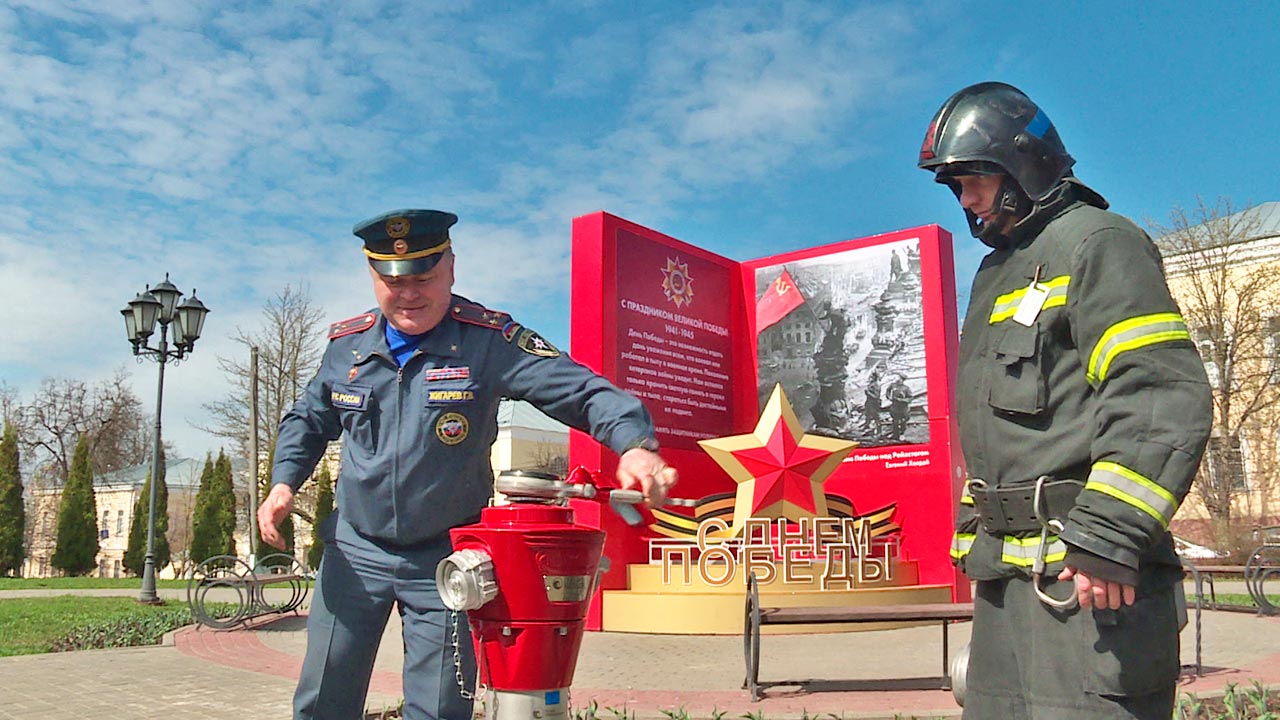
x=160, y=304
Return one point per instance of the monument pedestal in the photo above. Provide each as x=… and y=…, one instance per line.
x=650, y=605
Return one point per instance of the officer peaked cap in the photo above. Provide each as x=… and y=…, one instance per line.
x=405, y=242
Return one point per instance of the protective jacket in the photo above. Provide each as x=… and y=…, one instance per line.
x=1095, y=381
x=416, y=439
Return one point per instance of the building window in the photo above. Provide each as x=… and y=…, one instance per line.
x=1204, y=343
x=106, y=526
x=1273, y=349
x=1225, y=463
x=119, y=523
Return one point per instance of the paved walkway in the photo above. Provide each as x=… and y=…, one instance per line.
x=231, y=675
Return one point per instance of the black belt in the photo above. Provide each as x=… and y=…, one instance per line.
x=1011, y=508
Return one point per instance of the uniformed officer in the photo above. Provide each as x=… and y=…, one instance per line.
x=1083, y=415
x=413, y=388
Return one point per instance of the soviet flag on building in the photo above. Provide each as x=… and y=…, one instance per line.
x=781, y=297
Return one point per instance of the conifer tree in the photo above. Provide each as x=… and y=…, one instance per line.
x=204, y=518
x=77, y=545
x=12, y=516
x=324, y=508
x=135, y=555
x=226, y=503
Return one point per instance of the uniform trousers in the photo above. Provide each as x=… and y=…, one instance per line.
x=1029, y=661
x=359, y=582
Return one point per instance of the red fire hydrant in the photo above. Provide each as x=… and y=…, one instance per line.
x=525, y=575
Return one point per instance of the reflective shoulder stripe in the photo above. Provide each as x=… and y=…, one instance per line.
x=1132, y=334
x=1133, y=489
x=1006, y=305
x=1022, y=552
x=966, y=497
x=961, y=544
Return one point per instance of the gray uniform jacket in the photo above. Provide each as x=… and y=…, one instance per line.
x=1104, y=387
x=416, y=439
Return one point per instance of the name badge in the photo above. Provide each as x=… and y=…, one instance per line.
x=442, y=397
x=349, y=397
x=450, y=392
x=1032, y=301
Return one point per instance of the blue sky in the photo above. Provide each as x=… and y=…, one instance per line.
x=234, y=144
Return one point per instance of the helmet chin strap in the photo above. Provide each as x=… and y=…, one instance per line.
x=1010, y=202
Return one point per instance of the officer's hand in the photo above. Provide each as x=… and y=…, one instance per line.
x=1094, y=592
x=646, y=470
x=272, y=512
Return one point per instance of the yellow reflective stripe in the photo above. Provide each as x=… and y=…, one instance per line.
x=1132, y=334
x=961, y=544
x=966, y=498
x=1022, y=552
x=1006, y=305
x=1129, y=487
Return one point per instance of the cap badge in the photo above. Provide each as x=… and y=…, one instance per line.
x=398, y=227
x=400, y=246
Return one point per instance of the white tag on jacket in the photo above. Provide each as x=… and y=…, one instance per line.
x=1032, y=302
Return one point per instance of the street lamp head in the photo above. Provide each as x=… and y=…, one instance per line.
x=167, y=293
x=130, y=324
x=191, y=314
x=145, y=308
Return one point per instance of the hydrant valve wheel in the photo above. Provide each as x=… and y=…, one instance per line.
x=465, y=580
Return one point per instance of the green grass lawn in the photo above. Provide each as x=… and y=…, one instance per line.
x=81, y=583
x=33, y=625
x=1234, y=599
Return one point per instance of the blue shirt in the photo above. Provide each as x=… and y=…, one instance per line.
x=402, y=345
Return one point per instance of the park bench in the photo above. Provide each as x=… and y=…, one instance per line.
x=756, y=617
x=1262, y=565
x=224, y=591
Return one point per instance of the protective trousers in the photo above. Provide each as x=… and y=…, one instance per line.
x=360, y=580
x=1030, y=661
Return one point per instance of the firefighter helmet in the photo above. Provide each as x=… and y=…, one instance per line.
x=994, y=124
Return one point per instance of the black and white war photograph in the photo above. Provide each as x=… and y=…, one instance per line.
x=843, y=334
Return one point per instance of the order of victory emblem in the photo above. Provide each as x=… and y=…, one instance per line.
x=676, y=283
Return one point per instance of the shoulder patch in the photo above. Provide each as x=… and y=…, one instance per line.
x=534, y=344
x=359, y=323
x=473, y=314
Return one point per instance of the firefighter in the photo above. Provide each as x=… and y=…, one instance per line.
x=1084, y=413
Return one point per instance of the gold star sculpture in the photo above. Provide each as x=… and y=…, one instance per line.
x=779, y=468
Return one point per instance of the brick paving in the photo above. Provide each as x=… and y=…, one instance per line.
x=250, y=672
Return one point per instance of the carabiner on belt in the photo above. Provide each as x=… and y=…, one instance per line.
x=1037, y=567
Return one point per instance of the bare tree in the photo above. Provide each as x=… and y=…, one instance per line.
x=290, y=345
x=1228, y=288
x=550, y=458
x=181, y=512
x=108, y=414
x=9, y=405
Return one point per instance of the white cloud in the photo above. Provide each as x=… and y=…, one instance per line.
x=234, y=145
